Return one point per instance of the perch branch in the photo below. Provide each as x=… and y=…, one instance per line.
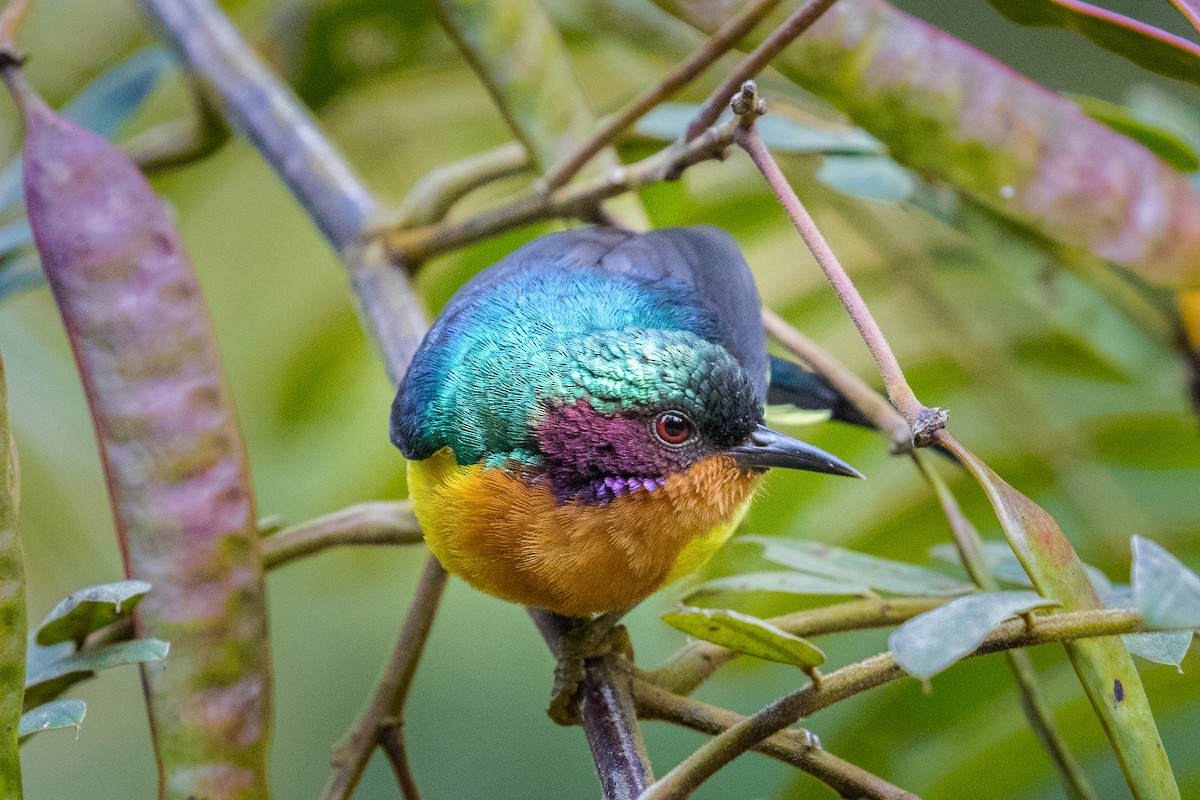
x=380, y=523
x=791, y=746
x=607, y=715
x=755, y=62
x=867, y=674
x=383, y=720
x=720, y=43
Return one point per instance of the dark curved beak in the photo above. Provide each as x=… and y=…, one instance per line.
x=768, y=448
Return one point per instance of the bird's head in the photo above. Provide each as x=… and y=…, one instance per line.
x=639, y=406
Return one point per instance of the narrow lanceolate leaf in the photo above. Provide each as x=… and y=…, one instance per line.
x=12, y=608
x=171, y=450
x=875, y=178
x=89, y=610
x=1164, y=143
x=931, y=642
x=778, y=583
x=1144, y=45
x=1105, y=668
x=1164, y=590
x=55, y=677
x=52, y=716
x=518, y=53
x=745, y=634
x=952, y=113
x=882, y=574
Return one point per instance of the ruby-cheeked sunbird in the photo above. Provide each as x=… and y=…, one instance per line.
x=584, y=420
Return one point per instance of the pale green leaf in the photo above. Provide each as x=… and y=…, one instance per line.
x=51, y=716
x=778, y=583
x=90, y=609
x=779, y=132
x=931, y=642
x=1164, y=590
x=746, y=634
x=54, y=678
x=881, y=574
x=870, y=177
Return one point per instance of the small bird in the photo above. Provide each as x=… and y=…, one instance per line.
x=584, y=420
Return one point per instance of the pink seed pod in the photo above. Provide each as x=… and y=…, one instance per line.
x=174, y=460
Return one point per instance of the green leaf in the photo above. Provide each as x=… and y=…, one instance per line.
x=90, y=610
x=781, y=133
x=52, y=716
x=54, y=678
x=870, y=177
x=1164, y=590
x=1144, y=45
x=746, y=634
x=881, y=574
x=931, y=642
x=13, y=619
x=1100, y=663
x=1166, y=144
x=1161, y=647
x=1002, y=563
x=778, y=583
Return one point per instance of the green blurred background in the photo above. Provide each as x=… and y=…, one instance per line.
x=1059, y=393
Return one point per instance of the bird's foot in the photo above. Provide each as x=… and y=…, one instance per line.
x=585, y=639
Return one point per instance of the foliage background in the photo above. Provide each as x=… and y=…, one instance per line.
x=1063, y=397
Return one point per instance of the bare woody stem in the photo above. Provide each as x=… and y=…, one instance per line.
x=383, y=719
x=720, y=43
x=412, y=247
x=925, y=422
x=791, y=746
x=868, y=674
x=868, y=401
x=755, y=62
x=380, y=523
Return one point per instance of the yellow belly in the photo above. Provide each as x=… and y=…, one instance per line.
x=516, y=542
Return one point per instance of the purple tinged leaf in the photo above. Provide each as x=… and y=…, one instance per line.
x=173, y=457
x=1145, y=45
x=951, y=113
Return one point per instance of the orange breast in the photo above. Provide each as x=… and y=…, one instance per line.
x=515, y=541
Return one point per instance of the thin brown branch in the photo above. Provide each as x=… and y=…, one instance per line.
x=720, y=43
x=412, y=247
x=867, y=674
x=391, y=740
x=432, y=197
x=791, y=746
x=697, y=660
x=925, y=422
x=873, y=406
x=386, y=710
x=1037, y=709
x=380, y=523
x=755, y=62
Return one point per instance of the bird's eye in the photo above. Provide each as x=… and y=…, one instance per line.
x=673, y=427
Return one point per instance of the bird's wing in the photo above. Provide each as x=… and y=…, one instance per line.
x=796, y=386
x=708, y=261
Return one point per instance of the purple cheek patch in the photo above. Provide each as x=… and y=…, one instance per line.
x=595, y=458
